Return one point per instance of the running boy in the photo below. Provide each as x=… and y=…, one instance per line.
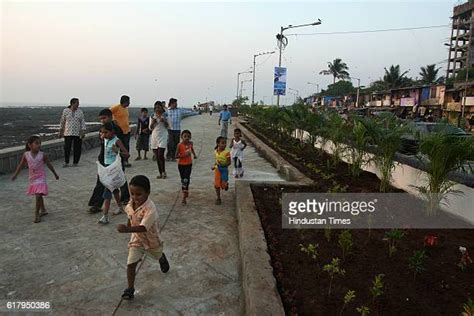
x=185, y=162
x=142, y=135
x=221, y=167
x=143, y=224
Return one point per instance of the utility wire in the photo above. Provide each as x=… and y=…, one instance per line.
x=373, y=31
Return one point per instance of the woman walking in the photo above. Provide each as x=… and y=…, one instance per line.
x=159, y=137
x=73, y=128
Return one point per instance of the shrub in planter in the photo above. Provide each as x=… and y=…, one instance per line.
x=442, y=153
x=385, y=137
x=359, y=141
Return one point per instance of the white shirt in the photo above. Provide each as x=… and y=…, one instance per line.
x=72, y=122
x=159, y=135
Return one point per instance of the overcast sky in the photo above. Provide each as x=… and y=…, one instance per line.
x=97, y=51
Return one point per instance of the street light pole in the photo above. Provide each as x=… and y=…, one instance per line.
x=238, y=76
x=296, y=93
x=281, y=39
x=358, y=91
x=317, y=86
x=253, y=83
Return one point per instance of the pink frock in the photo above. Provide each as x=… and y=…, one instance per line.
x=37, y=174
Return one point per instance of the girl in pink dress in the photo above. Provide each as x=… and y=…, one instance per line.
x=35, y=159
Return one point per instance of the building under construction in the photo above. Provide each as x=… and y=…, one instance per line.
x=461, y=52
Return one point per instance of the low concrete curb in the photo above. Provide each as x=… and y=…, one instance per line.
x=285, y=169
x=261, y=296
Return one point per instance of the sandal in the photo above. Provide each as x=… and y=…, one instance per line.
x=218, y=202
x=37, y=219
x=164, y=264
x=128, y=294
x=44, y=213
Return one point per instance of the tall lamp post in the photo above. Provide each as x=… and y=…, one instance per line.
x=316, y=84
x=296, y=93
x=238, y=76
x=358, y=89
x=253, y=83
x=283, y=41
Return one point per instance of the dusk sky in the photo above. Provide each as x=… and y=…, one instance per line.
x=97, y=51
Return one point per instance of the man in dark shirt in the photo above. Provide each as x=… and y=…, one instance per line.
x=96, y=200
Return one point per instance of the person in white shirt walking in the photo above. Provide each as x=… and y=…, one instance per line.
x=72, y=127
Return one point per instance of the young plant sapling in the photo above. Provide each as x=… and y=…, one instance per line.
x=349, y=297
x=345, y=242
x=333, y=269
x=312, y=251
x=417, y=262
x=393, y=238
x=377, y=287
x=363, y=310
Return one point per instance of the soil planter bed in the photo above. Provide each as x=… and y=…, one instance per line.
x=432, y=282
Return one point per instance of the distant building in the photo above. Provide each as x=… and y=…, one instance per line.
x=461, y=52
x=205, y=106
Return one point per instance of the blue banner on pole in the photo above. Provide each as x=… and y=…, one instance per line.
x=279, y=82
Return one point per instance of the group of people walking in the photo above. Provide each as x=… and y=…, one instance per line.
x=161, y=132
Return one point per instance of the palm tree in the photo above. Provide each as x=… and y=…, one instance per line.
x=394, y=79
x=337, y=69
x=429, y=74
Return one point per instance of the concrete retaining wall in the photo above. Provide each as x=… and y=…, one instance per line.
x=10, y=157
x=408, y=174
x=261, y=295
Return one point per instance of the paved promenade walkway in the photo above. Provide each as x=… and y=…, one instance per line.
x=80, y=267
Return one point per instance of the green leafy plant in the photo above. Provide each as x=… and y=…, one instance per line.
x=348, y=298
x=377, y=287
x=336, y=131
x=345, y=242
x=357, y=151
x=442, y=153
x=311, y=250
x=333, y=269
x=468, y=308
x=393, y=237
x=385, y=137
x=363, y=310
x=417, y=262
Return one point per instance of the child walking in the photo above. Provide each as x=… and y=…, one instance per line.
x=159, y=137
x=112, y=147
x=237, y=145
x=142, y=134
x=221, y=167
x=185, y=162
x=35, y=159
x=143, y=225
